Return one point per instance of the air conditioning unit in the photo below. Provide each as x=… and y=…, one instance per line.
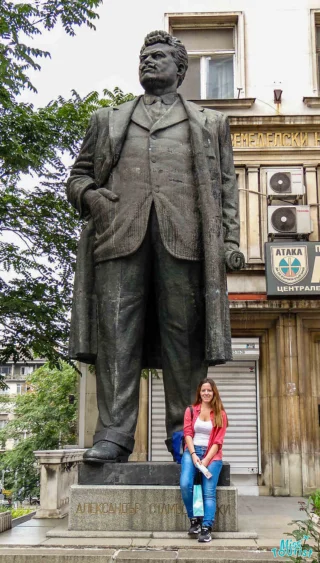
x=285, y=182
x=289, y=220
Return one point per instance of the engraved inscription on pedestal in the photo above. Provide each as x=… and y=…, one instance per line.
x=102, y=508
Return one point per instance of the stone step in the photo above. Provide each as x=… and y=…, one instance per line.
x=95, y=555
x=58, y=532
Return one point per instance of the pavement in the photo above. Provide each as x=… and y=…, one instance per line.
x=262, y=520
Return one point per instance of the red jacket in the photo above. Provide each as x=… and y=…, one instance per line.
x=217, y=434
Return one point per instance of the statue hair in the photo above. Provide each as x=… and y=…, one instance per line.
x=179, y=52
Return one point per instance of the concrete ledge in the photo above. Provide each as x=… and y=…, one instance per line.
x=101, y=555
x=142, y=508
x=5, y=521
x=22, y=519
x=56, y=533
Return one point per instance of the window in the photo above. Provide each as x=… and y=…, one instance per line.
x=5, y=370
x=19, y=388
x=318, y=54
x=214, y=42
x=3, y=423
x=211, y=63
x=315, y=51
x=26, y=370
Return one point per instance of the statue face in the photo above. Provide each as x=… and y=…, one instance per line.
x=157, y=69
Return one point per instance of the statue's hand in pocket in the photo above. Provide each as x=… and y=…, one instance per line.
x=98, y=202
x=111, y=196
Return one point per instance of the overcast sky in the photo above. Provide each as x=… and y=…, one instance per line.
x=94, y=60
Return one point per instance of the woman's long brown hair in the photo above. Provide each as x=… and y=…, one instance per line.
x=216, y=403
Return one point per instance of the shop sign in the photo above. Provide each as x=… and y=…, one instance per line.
x=293, y=269
x=275, y=139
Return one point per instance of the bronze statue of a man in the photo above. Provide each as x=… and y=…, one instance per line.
x=155, y=178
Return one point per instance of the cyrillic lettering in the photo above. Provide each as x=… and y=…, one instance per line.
x=252, y=140
x=304, y=139
x=269, y=139
x=295, y=137
x=286, y=136
x=316, y=270
x=244, y=140
x=316, y=139
x=278, y=140
x=237, y=140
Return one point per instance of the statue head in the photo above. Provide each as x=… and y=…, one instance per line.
x=163, y=62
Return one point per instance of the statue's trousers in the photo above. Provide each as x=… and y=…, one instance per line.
x=123, y=287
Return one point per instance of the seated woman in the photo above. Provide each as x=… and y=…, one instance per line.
x=204, y=429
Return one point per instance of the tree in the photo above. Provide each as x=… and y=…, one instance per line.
x=34, y=305
x=45, y=418
x=38, y=228
x=27, y=20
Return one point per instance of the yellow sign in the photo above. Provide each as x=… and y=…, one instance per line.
x=275, y=139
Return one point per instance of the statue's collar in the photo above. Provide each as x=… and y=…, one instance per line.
x=167, y=99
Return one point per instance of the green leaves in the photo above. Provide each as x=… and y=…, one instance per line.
x=38, y=227
x=45, y=419
x=27, y=20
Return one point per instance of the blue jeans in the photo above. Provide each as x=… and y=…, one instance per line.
x=188, y=472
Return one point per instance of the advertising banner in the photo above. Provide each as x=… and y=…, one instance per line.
x=293, y=269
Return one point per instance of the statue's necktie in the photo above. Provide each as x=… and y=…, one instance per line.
x=157, y=109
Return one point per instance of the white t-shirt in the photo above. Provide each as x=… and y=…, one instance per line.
x=202, y=431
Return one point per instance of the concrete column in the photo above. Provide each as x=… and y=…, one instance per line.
x=309, y=393
x=265, y=399
x=241, y=174
x=311, y=187
x=88, y=410
x=292, y=404
x=289, y=466
x=253, y=214
x=140, y=452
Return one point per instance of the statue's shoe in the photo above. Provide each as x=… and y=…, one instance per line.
x=104, y=451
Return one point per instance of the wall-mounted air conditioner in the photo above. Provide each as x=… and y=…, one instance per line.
x=285, y=182
x=289, y=220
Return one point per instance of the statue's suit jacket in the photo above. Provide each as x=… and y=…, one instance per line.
x=218, y=203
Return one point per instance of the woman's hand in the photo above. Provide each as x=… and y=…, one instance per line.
x=195, y=459
x=205, y=461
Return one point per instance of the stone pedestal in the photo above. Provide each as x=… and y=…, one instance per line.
x=142, y=508
x=58, y=471
x=139, y=473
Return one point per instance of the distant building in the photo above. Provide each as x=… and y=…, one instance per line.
x=15, y=378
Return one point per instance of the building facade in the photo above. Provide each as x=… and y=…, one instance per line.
x=14, y=375
x=261, y=66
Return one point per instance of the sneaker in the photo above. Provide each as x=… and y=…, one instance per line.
x=205, y=534
x=195, y=527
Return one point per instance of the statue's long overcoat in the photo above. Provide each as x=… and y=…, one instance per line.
x=218, y=203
